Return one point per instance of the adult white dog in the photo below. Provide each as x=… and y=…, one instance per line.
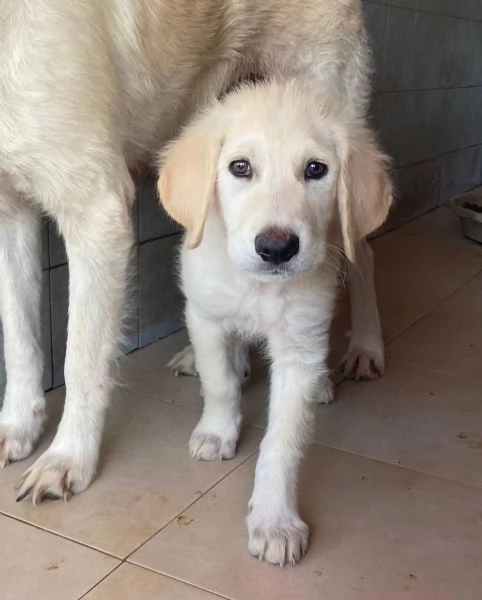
x=267, y=200
x=87, y=90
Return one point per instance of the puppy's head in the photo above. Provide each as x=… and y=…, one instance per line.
x=278, y=165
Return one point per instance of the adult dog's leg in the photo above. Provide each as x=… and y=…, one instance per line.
x=365, y=356
x=276, y=531
x=23, y=413
x=216, y=435
x=97, y=240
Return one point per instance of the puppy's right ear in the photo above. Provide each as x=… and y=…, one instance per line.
x=187, y=179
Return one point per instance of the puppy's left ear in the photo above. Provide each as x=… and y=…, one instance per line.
x=187, y=179
x=364, y=187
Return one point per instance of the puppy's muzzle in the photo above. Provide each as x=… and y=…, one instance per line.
x=277, y=246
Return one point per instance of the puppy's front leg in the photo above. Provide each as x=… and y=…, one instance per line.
x=276, y=531
x=216, y=435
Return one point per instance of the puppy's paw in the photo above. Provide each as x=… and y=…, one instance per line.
x=183, y=363
x=18, y=439
x=215, y=441
x=278, y=540
x=55, y=476
x=326, y=392
x=211, y=447
x=363, y=364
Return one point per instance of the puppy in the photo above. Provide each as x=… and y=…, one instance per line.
x=279, y=178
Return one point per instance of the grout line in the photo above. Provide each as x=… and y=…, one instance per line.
x=182, y=581
x=433, y=158
x=402, y=363
x=395, y=465
x=426, y=12
x=101, y=580
x=59, y=535
x=190, y=504
x=431, y=89
x=434, y=308
x=159, y=237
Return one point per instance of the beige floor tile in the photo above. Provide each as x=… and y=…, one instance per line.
x=449, y=339
x=378, y=533
x=442, y=226
x=36, y=565
x=145, y=372
x=414, y=275
x=129, y=582
x=146, y=477
x=414, y=418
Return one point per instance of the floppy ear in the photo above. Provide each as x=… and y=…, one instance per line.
x=364, y=188
x=187, y=178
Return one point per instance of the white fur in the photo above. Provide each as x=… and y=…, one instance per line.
x=90, y=89
x=232, y=294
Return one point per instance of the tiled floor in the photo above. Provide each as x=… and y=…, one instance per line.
x=392, y=485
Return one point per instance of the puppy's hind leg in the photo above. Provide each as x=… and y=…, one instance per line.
x=184, y=362
x=23, y=413
x=365, y=358
x=97, y=233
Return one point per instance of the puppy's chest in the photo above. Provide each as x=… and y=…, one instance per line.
x=250, y=309
x=258, y=311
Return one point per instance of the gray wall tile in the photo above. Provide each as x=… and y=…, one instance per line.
x=398, y=3
x=46, y=332
x=467, y=9
x=420, y=125
x=375, y=21
x=59, y=301
x=461, y=171
x=56, y=247
x=160, y=301
x=416, y=192
x=452, y=65
x=397, y=68
x=153, y=221
x=45, y=244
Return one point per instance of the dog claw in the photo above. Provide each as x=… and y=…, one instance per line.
x=24, y=494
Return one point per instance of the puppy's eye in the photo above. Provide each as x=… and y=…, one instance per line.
x=241, y=168
x=315, y=170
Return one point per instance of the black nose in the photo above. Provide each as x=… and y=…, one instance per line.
x=276, y=245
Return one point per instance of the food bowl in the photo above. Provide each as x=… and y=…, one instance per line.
x=468, y=207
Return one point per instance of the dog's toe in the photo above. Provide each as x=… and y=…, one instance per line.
x=53, y=477
x=205, y=446
x=326, y=392
x=282, y=543
x=363, y=365
x=183, y=363
x=17, y=442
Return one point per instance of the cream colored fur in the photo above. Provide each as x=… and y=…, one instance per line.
x=88, y=90
x=234, y=296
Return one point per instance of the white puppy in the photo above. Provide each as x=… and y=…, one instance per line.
x=264, y=182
